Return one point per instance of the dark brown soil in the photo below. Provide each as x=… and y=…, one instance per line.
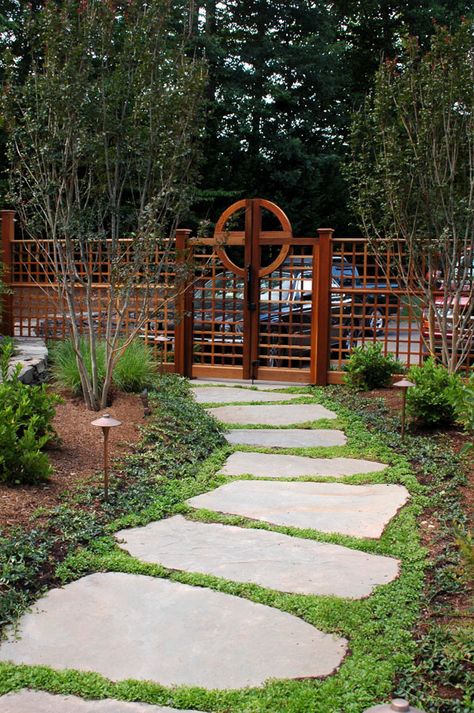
x=446, y=609
x=392, y=398
x=77, y=459
x=455, y=439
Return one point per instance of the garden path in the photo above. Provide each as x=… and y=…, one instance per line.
x=149, y=628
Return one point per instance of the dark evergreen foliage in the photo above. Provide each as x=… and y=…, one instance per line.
x=285, y=76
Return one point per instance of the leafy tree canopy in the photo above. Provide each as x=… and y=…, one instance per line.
x=412, y=177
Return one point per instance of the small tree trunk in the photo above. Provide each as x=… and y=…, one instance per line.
x=107, y=381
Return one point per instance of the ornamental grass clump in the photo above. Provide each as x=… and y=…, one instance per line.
x=135, y=369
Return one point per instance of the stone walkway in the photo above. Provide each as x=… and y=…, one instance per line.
x=265, y=558
x=40, y=702
x=128, y=626
x=215, y=395
x=355, y=510
x=272, y=415
x=287, y=438
x=269, y=465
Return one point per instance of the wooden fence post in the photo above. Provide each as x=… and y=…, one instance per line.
x=322, y=271
x=6, y=302
x=183, y=320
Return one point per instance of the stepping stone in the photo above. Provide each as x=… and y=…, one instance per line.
x=132, y=626
x=245, y=385
x=288, y=438
x=357, y=510
x=273, y=415
x=226, y=394
x=287, y=564
x=272, y=465
x=40, y=702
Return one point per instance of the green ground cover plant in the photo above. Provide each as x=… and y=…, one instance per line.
x=135, y=369
x=26, y=417
x=181, y=453
x=441, y=675
x=368, y=368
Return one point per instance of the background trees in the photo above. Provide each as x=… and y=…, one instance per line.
x=284, y=79
x=274, y=121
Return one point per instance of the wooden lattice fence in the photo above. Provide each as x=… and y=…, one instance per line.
x=294, y=317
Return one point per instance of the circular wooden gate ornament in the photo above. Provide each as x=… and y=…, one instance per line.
x=224, y=237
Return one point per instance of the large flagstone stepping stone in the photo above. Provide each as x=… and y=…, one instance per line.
x=287, y=564
x=274, y=465
x=356, y=510
x=132, y=626
x=273, y=415
x=40, y=702
x=226, y=394
x=287, y=438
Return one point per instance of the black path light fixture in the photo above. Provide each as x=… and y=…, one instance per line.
x=398, y=705
x=106, y=422
x=404, y=384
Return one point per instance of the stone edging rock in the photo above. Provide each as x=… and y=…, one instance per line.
x=32, y=354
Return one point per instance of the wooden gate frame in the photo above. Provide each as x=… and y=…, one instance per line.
x=6, y=300
x=321, y=297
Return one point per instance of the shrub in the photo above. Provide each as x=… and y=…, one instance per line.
x=431, y=402
x=463, y=396
x=464, y=403
x=135, y=369
x=5, y=343
x=368, y=368
x=25, y=426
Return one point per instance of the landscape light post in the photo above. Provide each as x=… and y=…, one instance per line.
x=404, y=384
x=106, y=422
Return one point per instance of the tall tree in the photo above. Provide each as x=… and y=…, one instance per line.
x=413, y=181
x=274, y=111
x=373, y=30
x=101, y=142
x=285, y=77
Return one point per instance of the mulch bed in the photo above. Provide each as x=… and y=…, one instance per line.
x=458, y=608
x=77, y=459
x=455, y=438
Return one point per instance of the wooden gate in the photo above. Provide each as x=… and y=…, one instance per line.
x=256, y=297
